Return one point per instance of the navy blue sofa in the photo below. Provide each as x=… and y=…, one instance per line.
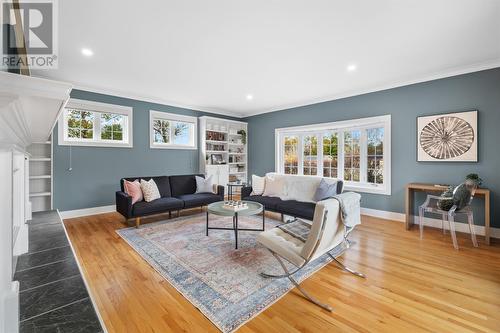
x=304, y=210
x=177, y=192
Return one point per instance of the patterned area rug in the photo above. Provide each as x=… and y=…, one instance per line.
x=223, y=283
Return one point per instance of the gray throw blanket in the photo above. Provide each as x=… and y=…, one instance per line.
x=350, y=208
x=298, y=229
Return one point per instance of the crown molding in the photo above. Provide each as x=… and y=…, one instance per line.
x=449, y=72
x=155, y=100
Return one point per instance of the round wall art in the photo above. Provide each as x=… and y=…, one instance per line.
x=450, y=137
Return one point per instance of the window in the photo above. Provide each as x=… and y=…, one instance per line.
x=172, y=131
x=86, y=123
x=357, y=151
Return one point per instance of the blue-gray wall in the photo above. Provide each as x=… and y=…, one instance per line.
x=96, y=170
x=476, y=91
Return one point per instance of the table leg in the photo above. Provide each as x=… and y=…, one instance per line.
x=230, y=193
x=487, y=218
x=409, y=208
x=236, y=229
x=207, y=222
x=264, y=219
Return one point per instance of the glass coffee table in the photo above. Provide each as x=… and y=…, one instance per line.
x=254, y=208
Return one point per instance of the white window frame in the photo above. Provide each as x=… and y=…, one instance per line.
x=340, y=126
x=172, y=117
x=96, y=108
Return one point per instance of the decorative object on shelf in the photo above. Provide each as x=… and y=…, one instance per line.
x=448, y=137
x=215, y=136
x=243, y=134
x=217, y=159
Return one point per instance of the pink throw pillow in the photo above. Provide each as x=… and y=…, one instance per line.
x=134, y=190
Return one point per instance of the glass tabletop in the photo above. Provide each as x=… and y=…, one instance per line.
x=218, y=209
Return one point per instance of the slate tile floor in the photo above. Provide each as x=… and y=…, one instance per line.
x=53, y=296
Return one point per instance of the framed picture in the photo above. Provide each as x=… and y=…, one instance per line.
x=217, y=159
x=450, y=137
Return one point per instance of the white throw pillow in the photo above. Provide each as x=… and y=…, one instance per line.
x=150, y=190
x=302, y=189
x=204, y=185
x=258, y=185
x=274, y=187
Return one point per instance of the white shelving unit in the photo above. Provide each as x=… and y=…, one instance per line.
x=223, y=138
x=40, y=175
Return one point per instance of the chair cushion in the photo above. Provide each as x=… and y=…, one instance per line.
x=297, y=208
x=162, y=182
x=199, y=199
x=269, y=203
x=156, y=206
x=183, y=184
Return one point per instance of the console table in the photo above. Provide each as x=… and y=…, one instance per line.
x=411, y=188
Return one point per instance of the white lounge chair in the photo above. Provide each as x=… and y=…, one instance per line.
x=327, y=231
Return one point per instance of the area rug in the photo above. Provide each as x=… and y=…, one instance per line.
x=223, y=283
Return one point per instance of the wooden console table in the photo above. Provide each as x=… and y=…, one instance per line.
x=411, y=188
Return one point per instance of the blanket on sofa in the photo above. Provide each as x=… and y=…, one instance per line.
x=350, y=208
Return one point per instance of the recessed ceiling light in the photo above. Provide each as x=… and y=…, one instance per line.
x=249, y=97
x=87, y=52
x=352, y=68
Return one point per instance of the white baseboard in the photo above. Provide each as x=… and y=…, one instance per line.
x=68, y=214
x=428, y=222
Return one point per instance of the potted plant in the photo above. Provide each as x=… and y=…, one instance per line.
x=243, y=134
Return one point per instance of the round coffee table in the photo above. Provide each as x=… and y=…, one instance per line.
x=254, y=208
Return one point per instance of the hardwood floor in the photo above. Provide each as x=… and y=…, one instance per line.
x=411, y=285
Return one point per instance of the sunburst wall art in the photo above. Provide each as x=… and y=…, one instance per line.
x=450, y=137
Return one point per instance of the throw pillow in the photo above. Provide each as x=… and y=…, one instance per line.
x=134, y=190
x=258, y=185
x=274, y=187
x=150, y=190
x=204, y=185
x=325, y=190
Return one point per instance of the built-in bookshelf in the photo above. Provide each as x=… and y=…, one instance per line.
x=223, y=151
x=40, y=175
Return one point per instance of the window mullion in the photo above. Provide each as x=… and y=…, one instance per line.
x=300, y=149
x=281, y=152
x=340, y=150
x=97, y=126
x=319, y=163
x=363, y=157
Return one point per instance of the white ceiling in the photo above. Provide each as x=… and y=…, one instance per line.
x=208, y=55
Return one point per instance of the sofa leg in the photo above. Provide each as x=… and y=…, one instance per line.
x=178, y=213
x=282, y=217
x=169, y=214
x=137, y=222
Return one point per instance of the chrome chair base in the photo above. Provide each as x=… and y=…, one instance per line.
x=308, y=296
